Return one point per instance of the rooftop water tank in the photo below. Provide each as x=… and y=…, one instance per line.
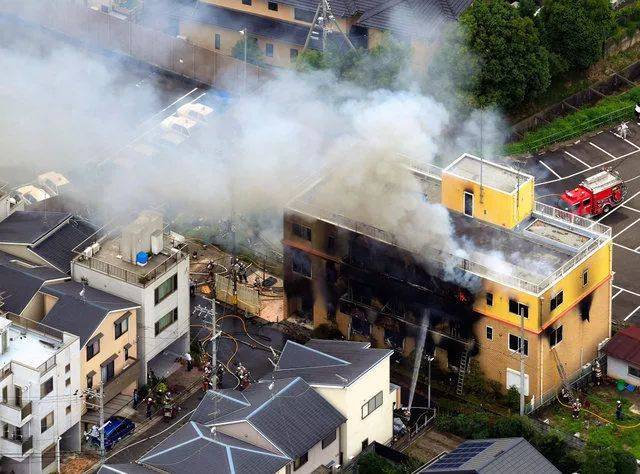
x=142, y=258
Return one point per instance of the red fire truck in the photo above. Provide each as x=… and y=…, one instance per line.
x=596, y=195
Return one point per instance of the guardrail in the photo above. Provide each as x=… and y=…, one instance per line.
x=567, y=217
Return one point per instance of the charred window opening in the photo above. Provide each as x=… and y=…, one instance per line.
x=514, y=344
x=394, y=339
x=490, y=333
x=360, y=325
x=331, y=243
x=556, y=301
x=555, y=336
x=518, y=308
x=302, y=231
x=585, y=277
x=585, y=306
x=300, y=263
x=489, y=299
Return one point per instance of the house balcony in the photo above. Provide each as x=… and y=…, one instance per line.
x=16, y=416
x=124, y=379
x=16, y=447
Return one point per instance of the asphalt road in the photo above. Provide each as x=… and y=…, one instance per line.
x=561, y=169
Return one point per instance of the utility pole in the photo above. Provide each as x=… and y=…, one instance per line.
x=214, y=344
x=102, y=450
x=100, y=406
x=521, y=348
x=244, y=33
x=429, y=359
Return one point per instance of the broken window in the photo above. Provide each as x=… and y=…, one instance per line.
x=514, y=344
x=557, y=300
x=489, y=297
x=556, y=336
x=518, y=308
x=360, y=326
x=394, y=339
x=490, y=333
x=301, y=263
x=301, y=231
x=468, y=203
x=585, y=278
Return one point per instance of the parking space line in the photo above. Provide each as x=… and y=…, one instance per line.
x=630, y=208
x=576, y=158
x=621, y=204
x=602, y=150
x=168, y=106
x=632, y=144
x=624, y=247
x=549, y=168
x=626, y=228
x=632, y=313
x=624, y=289
x=613, y=297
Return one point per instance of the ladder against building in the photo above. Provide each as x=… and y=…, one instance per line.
x=563, y=376
x=462, y=369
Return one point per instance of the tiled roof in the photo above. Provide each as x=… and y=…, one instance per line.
x=81, y=315
x=333, y=363
x=196, y=450
x=27, y=227
x=126, y=469
x=290, y=413
x=57, y=249
x=625, y=345
x=493, y=456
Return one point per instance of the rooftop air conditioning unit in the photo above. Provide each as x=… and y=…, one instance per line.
x=95, y=248
x=157, y=242
x=88, y=252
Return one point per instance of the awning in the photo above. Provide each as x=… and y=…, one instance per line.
x=123, y=317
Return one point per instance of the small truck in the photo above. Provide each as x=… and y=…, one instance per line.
x=596, y=195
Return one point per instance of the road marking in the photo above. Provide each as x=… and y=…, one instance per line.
x=632, y=313
x=632, y=144
x=624, y=247
x=632, y=179
x=549, y=168
x=169, y=106
x=602, y=150
x=577, y=159
x=621, y=204
x=626, y=228
x=617, y=293
x=624, y=289
x=630, y=208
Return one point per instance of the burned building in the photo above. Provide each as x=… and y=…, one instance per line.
x=527, y=268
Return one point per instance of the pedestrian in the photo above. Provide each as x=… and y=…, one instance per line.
x=189, y=360
x=598, y=373
x=637, y=110
x=136, y=398
x=619, y=410
x=149, y=407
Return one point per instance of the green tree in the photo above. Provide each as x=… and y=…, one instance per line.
x=574, y=31
x=598, y=461
x=371, y=463
x=254, y=54
x=625, y=462
x=551, y=446
x=513, y=398
x=527, y=8
x=509, y=64
x=475, y=380
x=514, y=426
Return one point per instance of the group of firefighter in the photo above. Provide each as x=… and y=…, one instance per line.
x=242, y=374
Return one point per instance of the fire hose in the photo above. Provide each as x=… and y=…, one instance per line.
x=624, y=427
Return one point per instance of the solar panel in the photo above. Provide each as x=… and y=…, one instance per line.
x=461, y=455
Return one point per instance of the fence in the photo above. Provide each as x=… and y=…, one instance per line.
x=247, y=299
x=139, y=42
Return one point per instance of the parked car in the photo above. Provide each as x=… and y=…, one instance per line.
x=116, y=428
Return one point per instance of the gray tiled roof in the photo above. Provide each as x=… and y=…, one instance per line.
x=27, y=227
x=493, y=456
x=194, y=449
x=19, y=283
x=57, y=249
x=77, y=315
x=291, y=414
x=126, y=469
x=324, y=362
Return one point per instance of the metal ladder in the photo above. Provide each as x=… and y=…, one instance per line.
x=462, y=369
x=563, y=375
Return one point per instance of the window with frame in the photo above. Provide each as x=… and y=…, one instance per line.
x=300, y=461
x=514, y=344
x=555, y=337
x=48, y=456
x=46, y=422
x=67, y=410
x=268, y=50
x=372, y=405
x=126, y=353
x=303, y=15
x=165, y=321
x=293, y=55
x=300, y=263
x=67, y=382
x=166, y=288
x=273, y=6
x=490, y=333
x=46, y=387
x=122, y=325
x=246, y=2
x=633, y=371
x=107, y=371
x=67, y=368
x=585, y=277
x=302, y=231
x=216, y=41
x=90, y=381
x=518, y=308
x=394, y=339
x=489, y=299
x=93, y=348
x=556, y=300
x=329, y=439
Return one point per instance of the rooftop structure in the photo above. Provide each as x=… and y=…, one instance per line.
x=495, y=456
x=625, y=345
x=542, y=246
x=30, y=227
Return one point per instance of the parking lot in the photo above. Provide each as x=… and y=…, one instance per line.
x=561, y=169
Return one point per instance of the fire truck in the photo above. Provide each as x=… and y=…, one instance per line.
x=596, y=195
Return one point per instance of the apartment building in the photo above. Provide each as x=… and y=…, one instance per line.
x=144, y=264
x=530, y=264
x=354, y=379
x=281, y=28
x=39, y=386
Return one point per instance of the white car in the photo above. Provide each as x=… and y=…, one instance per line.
x=176, y=129
x=32, y=194
x=195, y=111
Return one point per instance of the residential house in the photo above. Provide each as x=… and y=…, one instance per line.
x=352, y=377
x=495, y=456
x=527, y=263
x=39, y=387
x=623, y=355
x=143, y=263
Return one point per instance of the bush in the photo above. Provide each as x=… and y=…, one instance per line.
x=625, y=462
x=445, y=422
x=551, y=446
x=495, y=389
x=513, y=398
x=475, y=380
x=371, y=463
x=326, y=331
x=512, y=427
x=474, y=426
x=598, y=461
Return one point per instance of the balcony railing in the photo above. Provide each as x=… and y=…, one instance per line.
x=25, y=444
x=121, y=381
x=13, y=414
x=26, y=410
x=566, y=217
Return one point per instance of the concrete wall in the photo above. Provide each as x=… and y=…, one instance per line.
x=247, y=433
x=619, y=369
x=22, y=251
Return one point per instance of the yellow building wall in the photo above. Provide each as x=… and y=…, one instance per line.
x=500, y=308
x=494, y=206
x=109, y=345
x=203, y=35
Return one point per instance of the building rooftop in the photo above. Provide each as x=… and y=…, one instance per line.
x=58, y=248
x=28, y=227
x=487, y=173
x=329, y=363
x=293, y=416
x=81, y=314
x=194, y=448
x=492, y=456
x=31, y=347
x=530, y=257
x=625, y=345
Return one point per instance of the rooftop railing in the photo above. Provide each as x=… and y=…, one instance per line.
x=566, y=217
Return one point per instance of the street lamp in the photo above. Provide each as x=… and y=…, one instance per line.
x=243, y=32
x=429, y=360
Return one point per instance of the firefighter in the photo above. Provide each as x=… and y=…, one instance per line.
x=637, y=111
x=597, y=370
x=619, y=410
x=623, y=130
x=219, y=374
x=564, y=395
x=243, y=376
x=575, y=409
x=149, y=407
